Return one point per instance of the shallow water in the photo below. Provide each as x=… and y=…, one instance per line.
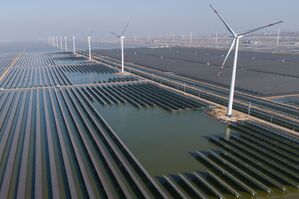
x=161, y=140
x=88, y=78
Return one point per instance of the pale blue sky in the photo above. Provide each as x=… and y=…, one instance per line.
x=33, y=19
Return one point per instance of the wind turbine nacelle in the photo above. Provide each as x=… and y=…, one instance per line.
x=122, y=37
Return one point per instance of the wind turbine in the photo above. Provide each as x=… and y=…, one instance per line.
x=235, y=43
x=74, y=44
x=173, y=37
x=89, y=47
x=65, y=43
x=89, y=44
x=122, y=37
x=278, y=37
x=57, y=45
x=61, y=47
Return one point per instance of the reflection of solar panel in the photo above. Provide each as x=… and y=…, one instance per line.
x=249, y=158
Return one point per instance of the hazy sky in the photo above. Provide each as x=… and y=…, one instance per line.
x=33, y=19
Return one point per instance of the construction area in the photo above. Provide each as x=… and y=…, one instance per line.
x=73, y=128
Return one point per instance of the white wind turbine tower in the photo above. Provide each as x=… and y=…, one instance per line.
x=235, y=43
x=65, y=43
x=57, y=45
x=173, y=37
x=61, y=47
x=53, y=41
x=89, y=45
x=278, y=37
x=122, y=37
x=74, y=44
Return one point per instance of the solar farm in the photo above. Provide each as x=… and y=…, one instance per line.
x=257, y=71
x=74, y=128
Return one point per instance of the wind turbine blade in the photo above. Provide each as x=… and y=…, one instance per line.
x=125, y=29
x=118, y=36
x=226, y=25
x=227, y=55
x=260, y=28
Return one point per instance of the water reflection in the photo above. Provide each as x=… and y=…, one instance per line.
x=227, y=133
x=158, y=137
